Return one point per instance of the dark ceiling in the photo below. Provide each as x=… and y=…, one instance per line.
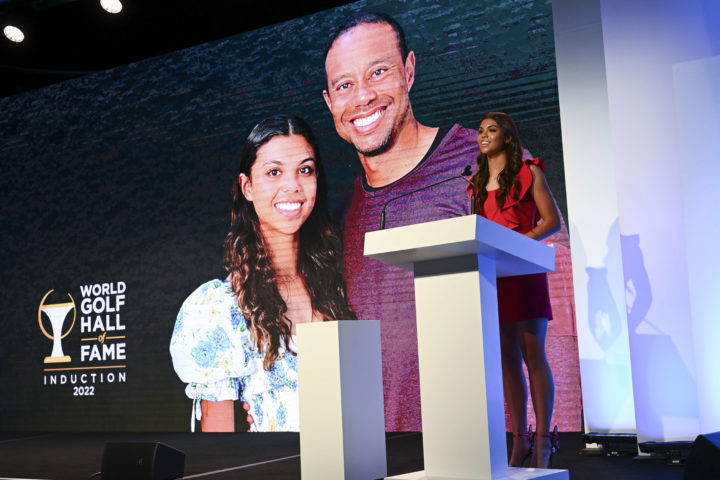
x=69, y=38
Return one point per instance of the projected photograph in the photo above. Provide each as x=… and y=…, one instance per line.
x=168, y=223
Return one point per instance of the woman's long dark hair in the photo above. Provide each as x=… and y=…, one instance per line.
x=508, y=176
x=247, y=259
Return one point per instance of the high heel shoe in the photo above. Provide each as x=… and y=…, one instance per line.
x=554, y=438
x=529, y=436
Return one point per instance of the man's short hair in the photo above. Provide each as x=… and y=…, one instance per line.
x=361, y=18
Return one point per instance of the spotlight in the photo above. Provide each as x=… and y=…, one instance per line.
x=111, y=6
x=609, y=444
x=673, y=453
x=14, y=34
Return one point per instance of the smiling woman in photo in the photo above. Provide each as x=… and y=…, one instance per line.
x=235, y=338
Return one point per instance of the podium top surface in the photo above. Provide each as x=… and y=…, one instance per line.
x=515, y=254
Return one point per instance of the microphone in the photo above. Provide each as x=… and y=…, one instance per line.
x=465, y=173
x=473, y=197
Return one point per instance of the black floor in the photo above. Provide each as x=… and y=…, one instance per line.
x=76, y=456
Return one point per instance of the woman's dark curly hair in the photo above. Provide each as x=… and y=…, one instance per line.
x=508, y=176
x=246, y=254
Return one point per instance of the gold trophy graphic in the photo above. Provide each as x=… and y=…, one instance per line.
x=57, y=313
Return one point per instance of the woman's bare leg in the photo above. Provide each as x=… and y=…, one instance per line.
x=532, y=335
x=516, y=393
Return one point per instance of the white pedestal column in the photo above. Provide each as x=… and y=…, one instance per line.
x=342, y=425
x=455, y=263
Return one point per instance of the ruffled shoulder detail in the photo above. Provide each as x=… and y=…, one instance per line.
x=208, y=343
x=525, y=180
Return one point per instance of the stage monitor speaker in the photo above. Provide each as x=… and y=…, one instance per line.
x=142, y=461
x=703, y=461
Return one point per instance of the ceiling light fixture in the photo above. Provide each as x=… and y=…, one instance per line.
x=14, y=34
x=111, y=6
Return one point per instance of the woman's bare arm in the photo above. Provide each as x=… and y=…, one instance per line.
x=547, y=208
x=217, y=416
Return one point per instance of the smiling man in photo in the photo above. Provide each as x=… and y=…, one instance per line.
x=370, y=73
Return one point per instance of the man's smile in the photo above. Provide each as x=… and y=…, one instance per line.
x=365, y=121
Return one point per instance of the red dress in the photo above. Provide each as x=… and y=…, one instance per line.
x=526, y=296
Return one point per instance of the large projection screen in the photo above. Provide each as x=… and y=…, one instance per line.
x=117, y=190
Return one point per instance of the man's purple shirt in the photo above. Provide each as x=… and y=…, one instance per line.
x=378, y=291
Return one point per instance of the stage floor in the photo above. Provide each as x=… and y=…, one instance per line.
x=267, y=456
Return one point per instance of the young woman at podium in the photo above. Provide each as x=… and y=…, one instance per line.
x=234, y=338
x=514, y=192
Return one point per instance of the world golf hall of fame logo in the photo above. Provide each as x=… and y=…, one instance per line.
x=57, y=313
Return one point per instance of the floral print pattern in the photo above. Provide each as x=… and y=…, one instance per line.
x=213, y=352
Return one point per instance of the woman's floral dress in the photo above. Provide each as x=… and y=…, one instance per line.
x=213, y=352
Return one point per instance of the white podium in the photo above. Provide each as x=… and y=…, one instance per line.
x=456, y=263
x=342, y=424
